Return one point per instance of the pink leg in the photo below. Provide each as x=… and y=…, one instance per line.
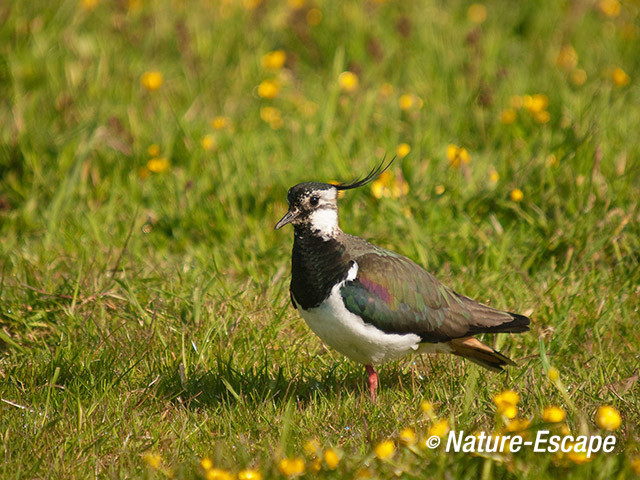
x=373, y=381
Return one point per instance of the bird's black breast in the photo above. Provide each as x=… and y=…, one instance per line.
x=317, y=264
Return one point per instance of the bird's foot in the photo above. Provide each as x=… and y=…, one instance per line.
x=373, y=381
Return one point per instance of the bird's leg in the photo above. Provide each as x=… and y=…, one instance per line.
x=373, y=381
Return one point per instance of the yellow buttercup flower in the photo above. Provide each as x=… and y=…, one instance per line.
x=507, y=402
x=388, y=185
x=272, y=116
x=385, y=450
x=542, y=117
x=153, y=150
x=208, y=142
x=439, y=189
x=439, y=429
x=457, y=155
x=535, y=103
x=611, y=8
x=620, y=77
x=577, y=457
x=516, y=195
x=154, y=460
x=220, y=123
x=348, y=82
x=249, y=474
x=579, y=77
x=553, y=373
x=158, y=165
x=274, y=60
x=409, y=101
x=408, y=436
x=553, y=414
x=206, y=463
x=477, y=13
x=219, y=474
x=508, y=116
x=635, y=465
x=494, y=176
x=311, y=448
x=151, y=80
x=608, y=418
x=403, y=150
x=292, y=467
x=89, y=5
x=269, y=89
x=331, y=458
x=567, y=57
x=427, y=407
x=518, y=424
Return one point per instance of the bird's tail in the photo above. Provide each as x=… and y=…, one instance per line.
x=474, y=350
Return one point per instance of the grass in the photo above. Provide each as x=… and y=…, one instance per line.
x=145, y=315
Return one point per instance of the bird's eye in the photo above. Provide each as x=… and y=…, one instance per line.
x=313, y=201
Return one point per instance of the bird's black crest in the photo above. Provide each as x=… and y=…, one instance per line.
x=373, y=174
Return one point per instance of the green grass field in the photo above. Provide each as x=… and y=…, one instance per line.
x=146, y=148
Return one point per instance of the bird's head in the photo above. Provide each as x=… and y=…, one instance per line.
x=315, y=205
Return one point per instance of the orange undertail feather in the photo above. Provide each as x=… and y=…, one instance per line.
x=474, y=350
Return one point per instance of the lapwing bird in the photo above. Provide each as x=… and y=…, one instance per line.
x=373, y=305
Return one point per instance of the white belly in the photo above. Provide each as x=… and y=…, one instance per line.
x=349, y=335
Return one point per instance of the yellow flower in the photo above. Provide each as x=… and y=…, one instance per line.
x=220, y=123
x=208, y=142
x=153, y=150
x=507, y=402
x=577, y=457
x=143, y=173
x=158, y=165
x=542, y=117
x=269, y=89
x=508, y=116
x=427, y=407
x=408, y=436
x=611, y=8
x=292, y=467
x=408, y=101
x=151, y=80
x=567, y=57
x=579, y=77
x=249, y=475
x=439, y=429
x=154, y=460
x=518, y=425
x=388, y=185
x=206, y=463
x=89, y=5
x=516, y=195
x=348, y=82
x=635, y=465
x=385, y=450
x=272, y=116
x=314, y=16
x=403, y=150
x=439, y=189
x=274, y=60
x=494, y=176
x=311, y=448
x=608, y=418
x=553, y=414
x=535, y=103
x=315, y=466
x=620, y=77
x=477, y=13
x=218, y=474
x=553, y=373
x=331, y=458
x=457, y=155
x=363, y=472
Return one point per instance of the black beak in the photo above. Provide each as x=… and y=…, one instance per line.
x=291, y=215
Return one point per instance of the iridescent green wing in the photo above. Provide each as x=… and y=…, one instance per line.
x=398, y=296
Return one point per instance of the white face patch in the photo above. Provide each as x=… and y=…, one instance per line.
x=325, y=221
